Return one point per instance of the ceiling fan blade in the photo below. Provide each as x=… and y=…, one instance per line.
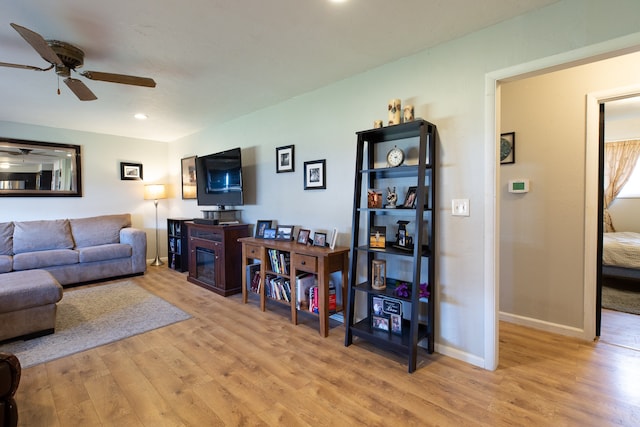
x=119, y=78
x=39, y=44
x=80, y=89
x=26, y=67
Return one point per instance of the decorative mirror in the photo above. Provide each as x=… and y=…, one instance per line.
x=35, y=169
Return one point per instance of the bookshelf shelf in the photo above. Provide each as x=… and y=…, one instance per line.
x=177, y=244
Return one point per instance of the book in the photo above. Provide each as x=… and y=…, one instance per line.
x=304, y=282
x=332, y=303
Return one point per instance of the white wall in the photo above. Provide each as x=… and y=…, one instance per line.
x=542, y=245
x=103, y=191
x=446, y=85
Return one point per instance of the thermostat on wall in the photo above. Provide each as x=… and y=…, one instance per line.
x=519, y=186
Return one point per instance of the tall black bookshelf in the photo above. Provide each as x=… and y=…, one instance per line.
x=177, y=244
x=398, y=159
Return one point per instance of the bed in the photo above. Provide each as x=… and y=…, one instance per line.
x=621, y=254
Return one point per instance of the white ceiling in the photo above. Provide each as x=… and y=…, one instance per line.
x=214, y=60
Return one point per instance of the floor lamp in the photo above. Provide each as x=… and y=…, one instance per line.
x=155, y=192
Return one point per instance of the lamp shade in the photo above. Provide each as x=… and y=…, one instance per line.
x=155, y=192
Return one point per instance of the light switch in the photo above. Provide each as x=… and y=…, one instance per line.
x=460, y=207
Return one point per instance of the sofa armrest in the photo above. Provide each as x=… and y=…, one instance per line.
x=138, y=241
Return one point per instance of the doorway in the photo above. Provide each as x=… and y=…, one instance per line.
x=618, y=288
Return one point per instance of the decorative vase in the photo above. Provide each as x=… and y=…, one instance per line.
x=379, y=274
x=394, y=111
x=408, y=113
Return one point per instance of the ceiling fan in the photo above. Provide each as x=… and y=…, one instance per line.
x=66, y=57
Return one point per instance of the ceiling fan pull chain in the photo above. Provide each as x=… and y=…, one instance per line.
x=58, y=85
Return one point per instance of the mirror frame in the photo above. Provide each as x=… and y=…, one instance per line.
x=76, y=174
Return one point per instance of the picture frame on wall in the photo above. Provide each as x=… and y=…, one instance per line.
x=285, y=160
x=188, y=172
x=507, y=148
x=315, y=175
x=130, y=171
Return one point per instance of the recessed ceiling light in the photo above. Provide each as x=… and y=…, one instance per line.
x=141, y=116
x=337, y=1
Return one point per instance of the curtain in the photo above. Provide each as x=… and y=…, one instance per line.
x=620, y=159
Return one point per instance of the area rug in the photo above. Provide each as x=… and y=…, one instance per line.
x=621, y=295
x=95, y=316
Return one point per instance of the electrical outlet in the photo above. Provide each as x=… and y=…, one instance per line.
x=460, y=207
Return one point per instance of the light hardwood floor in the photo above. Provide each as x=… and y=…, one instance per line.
x=232, y=364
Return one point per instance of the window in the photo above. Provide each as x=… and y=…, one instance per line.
x=631, y=189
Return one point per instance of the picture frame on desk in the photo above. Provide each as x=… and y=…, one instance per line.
x=320, y=239
x=284, y=232
x=303, y=236
x=377, y=237
x=269, y=233
x=261, y=226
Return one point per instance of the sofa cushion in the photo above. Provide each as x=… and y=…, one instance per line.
x=98, y=230
x=31, y=236
x=6, y=238
x=44, y=259
x=6, y=263
x=104, y=252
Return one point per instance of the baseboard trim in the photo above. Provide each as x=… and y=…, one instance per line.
x=542, y=325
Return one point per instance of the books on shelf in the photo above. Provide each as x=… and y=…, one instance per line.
x=278, y=288
x=279, y=260
x=253, y=277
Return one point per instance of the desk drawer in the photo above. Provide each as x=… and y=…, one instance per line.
x=305, y=263
x=253, y=251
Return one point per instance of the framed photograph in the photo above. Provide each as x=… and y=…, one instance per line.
x=391, y=306
x=334, y=239
x=396, y=324
x=374, y=198
x=130, y=171
x=376, y=306
x=284, y=232
x=315, y=175
x=303, y=236
x=261, y=226
x=381, y=323
x=269, y=233
x=319, y=239
x=188, y=171
x=377, y=237
x=410, y=198
x=507, y=148
x=285, y=160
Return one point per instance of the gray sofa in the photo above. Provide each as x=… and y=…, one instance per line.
x=74, y=250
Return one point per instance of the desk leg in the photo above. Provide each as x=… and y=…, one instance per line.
x=345, y=284
x=323, y=292
x=245, y=295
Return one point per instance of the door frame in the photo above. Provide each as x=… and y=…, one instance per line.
x=593, y=192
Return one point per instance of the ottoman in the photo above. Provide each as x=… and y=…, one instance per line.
x=28, y=303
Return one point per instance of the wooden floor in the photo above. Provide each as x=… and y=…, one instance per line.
x=233, y=365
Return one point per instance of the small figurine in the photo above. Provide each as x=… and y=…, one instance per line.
x=392, y=198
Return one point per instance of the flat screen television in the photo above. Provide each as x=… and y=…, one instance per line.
x=219, y=179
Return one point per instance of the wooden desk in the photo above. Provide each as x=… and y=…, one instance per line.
x=309, y=259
